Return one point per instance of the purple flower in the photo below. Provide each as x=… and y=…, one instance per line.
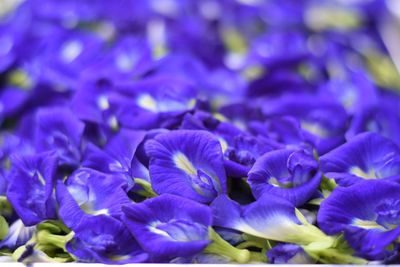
x=106, y=240
x=118, y=156
x=30, y=190
x=87, y=193
x=269, y=217
x=169, y=226
x=59, y=130
x=187, y=163
x=367, y=156
x=288, y=254
x=368, y=213
x=323, y=121
x=290, y=174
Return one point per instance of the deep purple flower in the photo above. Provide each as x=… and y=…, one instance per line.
x=323, y=121
x=288, y=254
x=106, y=240
x=367, y=156
x=187, y=163
x=87, y=193
x=368, y=213
x=269, y=217
x=118, y=156
x=290, y=174
x=169, y=226
x=59, y=130
x=31, y=183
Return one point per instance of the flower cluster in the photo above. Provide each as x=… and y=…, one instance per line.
x=198, y=131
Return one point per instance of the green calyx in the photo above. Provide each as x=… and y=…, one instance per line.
x=221, y=247
x=338, y=253
x=48, y=244
x=46, y=239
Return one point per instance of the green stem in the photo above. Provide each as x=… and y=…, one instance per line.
x=334, y=256
x=221, y=247
x=257, y=257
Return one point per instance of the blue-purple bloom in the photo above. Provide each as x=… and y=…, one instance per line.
x=368, y=213
x=187, y=163
x=59, y=130
x=106, y=240
x=288, y=254
x=31, y=183
x=199, y=131
x=118, y=156
x=269, y=217
x=290, y=174
x=169, y=226
x=87, y=193
x=366, y=156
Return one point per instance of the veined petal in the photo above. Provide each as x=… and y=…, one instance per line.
x=169, y=226
x=270, y=217
x=187, y=163
x=366, y=156
x=290, y=174
x=89, y=193
x=58, y=129
x=30, y=189
x=367, y=212
x=106, y=240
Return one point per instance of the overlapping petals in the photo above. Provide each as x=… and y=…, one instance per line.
x=366, y=156
x=169, y=226
x=199, y=131
x=187, y=163
x=293, y=175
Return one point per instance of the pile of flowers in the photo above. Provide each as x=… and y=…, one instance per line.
x=199, y=131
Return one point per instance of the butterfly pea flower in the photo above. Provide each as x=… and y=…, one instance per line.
x=87, y=193
x=240, y=149
x=130, y=56
x=241, y=114
x=290, y=174
x=163, y=97
x=323, y=122
x=241, y=153
x=96, y=101
x=118, y=156
x=356, y=93
x=368, y=215
x=65, y=55
x=281, y=49
x=282, y=132
x=169, y=226
x=75, y=13
x=364, y=157
x=31, y=183
x=269, y=217
x=106, y=240
x=187, y=163
x=382, y=118
x=288, y=254
x=59, y=130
